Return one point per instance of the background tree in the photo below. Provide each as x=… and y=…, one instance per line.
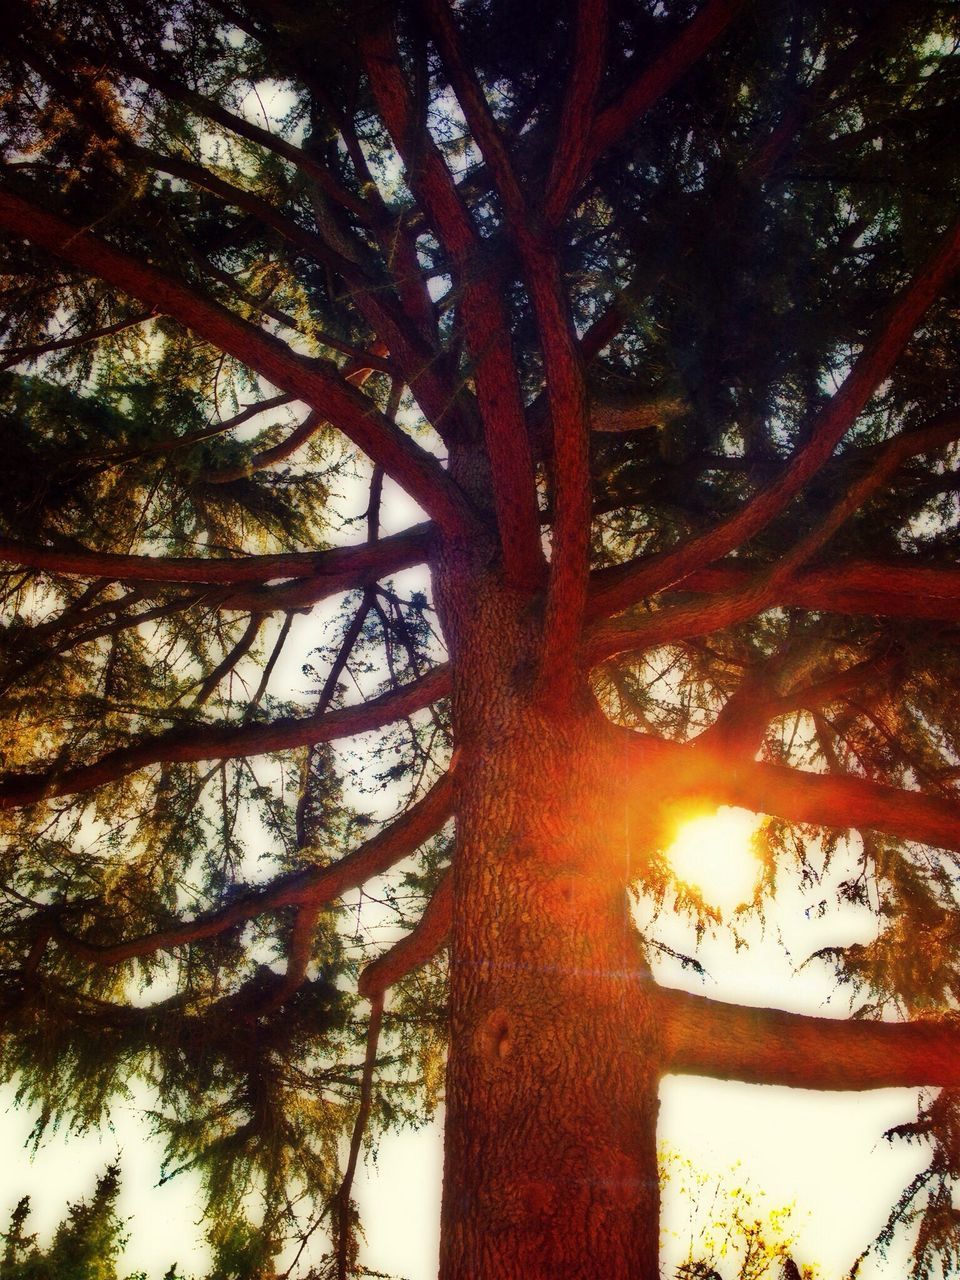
x=85, y=1246
x=651, y=309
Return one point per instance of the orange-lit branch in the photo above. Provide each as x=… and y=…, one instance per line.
x=828, y=800
x=767, y=1046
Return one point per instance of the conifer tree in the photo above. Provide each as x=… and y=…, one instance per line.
x=650, y=311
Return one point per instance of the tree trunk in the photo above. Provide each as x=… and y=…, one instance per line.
x=550, y=1151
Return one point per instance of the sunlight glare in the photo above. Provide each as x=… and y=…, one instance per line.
x=714, y=855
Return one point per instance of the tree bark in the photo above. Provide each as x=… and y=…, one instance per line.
x=550, y=1150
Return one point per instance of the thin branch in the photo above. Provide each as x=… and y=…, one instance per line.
x=309, y=888
x=16, y=355
x=344, y=1232
x=230, y=659
x=299, y=436
x=267, y=672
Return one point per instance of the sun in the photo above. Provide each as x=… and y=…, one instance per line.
x=715, y=855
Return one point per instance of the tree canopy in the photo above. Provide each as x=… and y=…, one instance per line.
x=650, y=310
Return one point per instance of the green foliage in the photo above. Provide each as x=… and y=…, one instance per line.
x=86, y=1245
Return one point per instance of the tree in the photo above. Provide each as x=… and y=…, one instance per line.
x=85, y=1246
x=651, y=309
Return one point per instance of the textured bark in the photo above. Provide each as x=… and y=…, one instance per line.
x=550, y=1160
x=769, y=1046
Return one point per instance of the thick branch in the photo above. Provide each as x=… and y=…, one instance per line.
x=485, y=321
x=765, y=588
x=697, y=617
x=767, y=1046
x=338, y=569
x=576, y=118
x=565, y=388
x=616, y=415
x=225, y=742
x=892, y=589
x=313, y=381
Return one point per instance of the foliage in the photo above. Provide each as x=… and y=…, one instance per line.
x=732, y=1232
x=85, y=1246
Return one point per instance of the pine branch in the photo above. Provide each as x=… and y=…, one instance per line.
x=484, y=317
x=829, y=800
x=579, y=106
x=312, y=381
x=565, y=388
x=655, y=573
x=308, y=889
x=224, y=742
x=17, y=355
x=657, y=79
x=173, y=89
x=339, y=569
x=417, y=947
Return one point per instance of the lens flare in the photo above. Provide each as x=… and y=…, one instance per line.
x=714, y=855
